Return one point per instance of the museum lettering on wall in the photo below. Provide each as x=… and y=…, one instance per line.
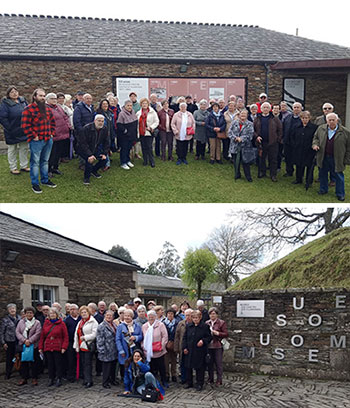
x=304, y=325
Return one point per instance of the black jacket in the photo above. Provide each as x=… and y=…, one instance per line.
x=289, y=125
x=82, y=116
x=301, y=141
x=128, y=130
x=10, y=118
x=196, y=355
x=91, y=142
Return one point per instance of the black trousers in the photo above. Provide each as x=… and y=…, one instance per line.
x=71, y=362
x=157, y=142
x=158, y=364
x=270, y=152
x=108, y=372
x=191, y=145
x=300, y=170
x=288, y=156
x=246, y=168
x=10, y=354
x=166, y=139
x=27, y=366
x=98, y=364
x=225, y=147
x=54, y=364
x=147, y=152
x=181, y=149
x=280, y=155
x=200, y=149
x=199, y=376
x=66, y=148
x=86, y=365
x=56, y=154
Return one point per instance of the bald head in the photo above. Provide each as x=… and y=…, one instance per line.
x=87, y=98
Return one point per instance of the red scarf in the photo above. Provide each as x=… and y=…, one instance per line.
x=143, y=122
x=81, y=333
x=240, y=125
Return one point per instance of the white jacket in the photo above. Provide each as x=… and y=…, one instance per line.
x=152, y=121
x=89, y=332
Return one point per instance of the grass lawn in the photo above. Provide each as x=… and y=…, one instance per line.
x=197, y=182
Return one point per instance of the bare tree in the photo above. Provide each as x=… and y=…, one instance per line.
x=279, y=226
x=236, y=251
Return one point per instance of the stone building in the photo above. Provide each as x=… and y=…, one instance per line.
x=39, y=265
x=94, y=55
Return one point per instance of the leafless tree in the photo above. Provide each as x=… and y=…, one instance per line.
x=236, y=251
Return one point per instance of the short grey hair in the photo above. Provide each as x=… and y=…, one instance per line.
x=203, y=102
x=200, y=302
x=266, y=103
x=11, y=305
x=109, y=311
x=92, y=304
x=50, y=95
x=74, y=306
x=121, y=309
x=183, y=103
x=332, y=114
x=151, y=313
x=253, y=105
x=127, y=102
x=129, y=312
x=297, y=103
x=99, y=116
x=141, y=307
x=54, y=310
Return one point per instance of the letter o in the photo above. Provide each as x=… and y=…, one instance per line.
x=318, y=322
x=299, y=343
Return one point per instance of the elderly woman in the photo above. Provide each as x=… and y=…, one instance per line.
x=54, y=343
x=141, y=315
x=216, y=125
x=147, y=122
x=120, y=319
x=219, y=331
x=127, y=133
x=8, y=336
x=303, y=154
x=230, y=116
x=159, y=309
x=194, y=345
x=179, y=334
x=11, y=110
x=170, y=357
x=106, y=348
x=114, y=307
x=200, y=134
x=155, y=339
x=165, y=116
x=184, y=127
x=28, y=333
x=241, y=134
x=84, y=343
x=62, y=133
x=253, y=112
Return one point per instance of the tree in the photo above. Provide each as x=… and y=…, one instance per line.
x=122, y=253
x=236, y=251
x=167, y=264
x=278, y=226
x=151, y=269
x=198, y=266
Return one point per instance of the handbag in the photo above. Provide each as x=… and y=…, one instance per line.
x=91, y=346
x=150, y=393
x=28, y=353
x=225, y=344
x=190, y=131
x=221, y=135
x=170, y=345
x=249, y=155
x=157, y=346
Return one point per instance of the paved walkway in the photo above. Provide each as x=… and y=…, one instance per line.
x=237, y=391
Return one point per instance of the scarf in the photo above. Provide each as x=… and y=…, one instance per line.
x=148, y=341
x=29, y=325
x=143, y=122
x=112, y=326
x=183, y=130
x=170, y=325
x=126, y=117
x=54, y=320
x=217, y=114
x=80, y=333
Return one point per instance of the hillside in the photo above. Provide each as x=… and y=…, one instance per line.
x=324, y=262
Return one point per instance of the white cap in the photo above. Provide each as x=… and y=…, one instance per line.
x=137, y=299
x=263, y=94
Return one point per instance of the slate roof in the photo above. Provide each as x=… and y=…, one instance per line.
x=54, y=37
x=14, y=229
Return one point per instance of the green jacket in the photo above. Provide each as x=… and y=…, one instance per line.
x=341, y=146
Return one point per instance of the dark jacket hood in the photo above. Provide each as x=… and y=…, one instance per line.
x=10, y=102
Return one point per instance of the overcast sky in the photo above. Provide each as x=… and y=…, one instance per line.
x=319, y=20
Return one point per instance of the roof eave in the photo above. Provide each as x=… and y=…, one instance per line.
x=312, y=64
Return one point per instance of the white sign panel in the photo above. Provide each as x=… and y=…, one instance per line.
x=217, y=299
x=126, y=85
x=294, y=90
x=216, y=93
x=250, y=308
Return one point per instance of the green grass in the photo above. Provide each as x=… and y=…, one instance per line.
x=324, y=262
x=197, y=182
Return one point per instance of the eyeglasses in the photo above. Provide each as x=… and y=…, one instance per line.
x=327, y=108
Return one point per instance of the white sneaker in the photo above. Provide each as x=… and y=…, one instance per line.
x=130, y=164
x=125, y=167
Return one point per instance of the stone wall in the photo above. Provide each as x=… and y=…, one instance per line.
x=97, y=78
x=305, y=333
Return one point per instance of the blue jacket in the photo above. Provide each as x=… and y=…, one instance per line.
x=129, y=381
x=10, y=118
x=122, y=345
x=212, y=121
x=82, y=116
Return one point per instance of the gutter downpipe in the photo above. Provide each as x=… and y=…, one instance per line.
x=267, y=71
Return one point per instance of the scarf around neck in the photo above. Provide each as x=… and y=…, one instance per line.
x=143, y=122
x=29, y=325
x=148, y=342
x=126, y=117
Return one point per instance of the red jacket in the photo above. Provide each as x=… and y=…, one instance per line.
x=57, y=339
x=221, y=327
x=35, y=125
x=162, y=119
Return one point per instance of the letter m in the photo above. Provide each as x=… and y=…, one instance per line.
x=338, y=344
x=248, y=352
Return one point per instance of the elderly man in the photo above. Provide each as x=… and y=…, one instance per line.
x=289, y=125
x=332, y=144
x=83, y=113
x=93, y=146
x=203, y=310
x=71, y=321
x=267, y=135
x=326, y=109
x=102, y=307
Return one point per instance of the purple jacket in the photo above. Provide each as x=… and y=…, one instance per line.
x=34, y=333
x=62, y=123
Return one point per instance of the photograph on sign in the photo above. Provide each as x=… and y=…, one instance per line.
x=294, y=91
x=216, y=93
x=250, y=308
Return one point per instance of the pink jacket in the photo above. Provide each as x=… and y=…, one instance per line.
x=177, y=122
x=62, y=123
x=160, y=333
x=34, y=333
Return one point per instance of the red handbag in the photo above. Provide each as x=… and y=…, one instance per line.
x=190, y=131
x=157, y=346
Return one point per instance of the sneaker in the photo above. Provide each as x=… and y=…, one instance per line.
x=49, y=184
x=95, y=174
x=130, y=164
x=178, y=162
x=36, y=188
x=86, y=181
x=184, y=161
x=125, y=167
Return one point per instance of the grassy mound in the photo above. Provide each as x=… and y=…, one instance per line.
x=324, y=262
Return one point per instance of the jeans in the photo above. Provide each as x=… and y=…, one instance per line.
x=328, y=166
x=22, y=149
x=149, y=379
x=39, y=158
x=125, y=147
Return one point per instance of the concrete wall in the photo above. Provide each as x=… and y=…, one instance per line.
x=305, y=333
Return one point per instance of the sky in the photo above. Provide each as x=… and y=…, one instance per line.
x=319, y=20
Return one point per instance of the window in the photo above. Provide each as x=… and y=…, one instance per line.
x=44, y=294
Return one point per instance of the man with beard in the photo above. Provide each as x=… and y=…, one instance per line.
x=38, y=125
x=93, y=145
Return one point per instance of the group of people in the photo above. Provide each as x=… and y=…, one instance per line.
x=144, y=343
x=54, y=126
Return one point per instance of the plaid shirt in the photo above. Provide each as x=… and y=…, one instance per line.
x=34, y=125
